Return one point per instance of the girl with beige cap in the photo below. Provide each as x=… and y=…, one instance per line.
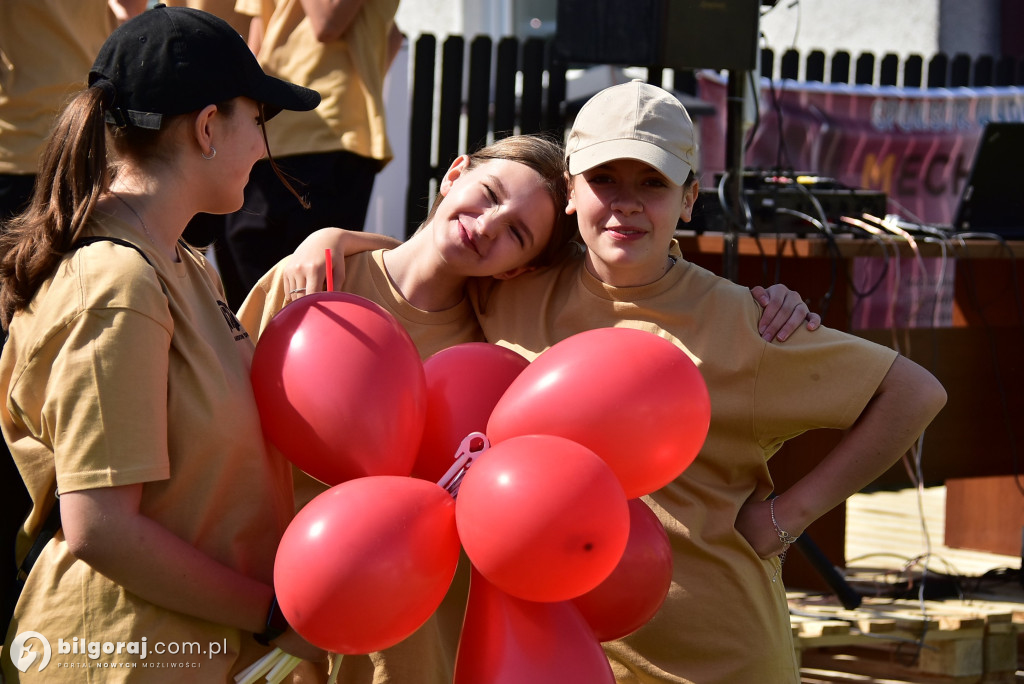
x=631, y=156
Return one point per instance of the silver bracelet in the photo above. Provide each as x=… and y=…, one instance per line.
x=785, y=537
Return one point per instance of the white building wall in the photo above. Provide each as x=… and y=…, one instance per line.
x=438, y=17
x=901, y=27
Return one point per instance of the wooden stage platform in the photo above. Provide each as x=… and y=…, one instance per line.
x=965, y=626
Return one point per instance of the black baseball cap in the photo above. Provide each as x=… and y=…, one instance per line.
x=175, y=60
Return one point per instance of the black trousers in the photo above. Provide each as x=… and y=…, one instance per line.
x=272, y=222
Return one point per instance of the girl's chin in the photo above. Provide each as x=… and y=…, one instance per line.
x=614, y=251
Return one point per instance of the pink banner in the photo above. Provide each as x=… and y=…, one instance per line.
x=915, y=145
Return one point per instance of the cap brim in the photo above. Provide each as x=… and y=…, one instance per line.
x=669, y=165
x=277, y=95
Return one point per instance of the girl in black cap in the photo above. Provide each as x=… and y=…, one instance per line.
x=126, y=376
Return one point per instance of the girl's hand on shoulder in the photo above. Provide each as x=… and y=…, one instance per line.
x=305, y=271
x=784, y=312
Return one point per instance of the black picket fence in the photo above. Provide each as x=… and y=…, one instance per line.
x=940, y=70
x=513, y=86
x=484, y=93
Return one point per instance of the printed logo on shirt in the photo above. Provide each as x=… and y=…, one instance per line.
x=22, y=653
x=233, y=324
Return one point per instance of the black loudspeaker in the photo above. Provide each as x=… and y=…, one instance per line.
x=680, y=34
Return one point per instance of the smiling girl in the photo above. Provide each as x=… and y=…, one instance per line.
x=631, y=155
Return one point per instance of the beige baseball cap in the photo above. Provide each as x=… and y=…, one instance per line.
x=634, y=120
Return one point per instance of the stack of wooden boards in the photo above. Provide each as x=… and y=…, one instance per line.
x=888, y=640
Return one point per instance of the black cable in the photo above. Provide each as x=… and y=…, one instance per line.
x=781, y=152
x=861, y=295
x=833, y=248
x=730, y=215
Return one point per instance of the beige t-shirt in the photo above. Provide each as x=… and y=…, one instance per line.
x=366, y=276
x=724, y=621
x=348, y=73
x=121, y=373
x=46, y=50
x=428, y=655
x=225, y=9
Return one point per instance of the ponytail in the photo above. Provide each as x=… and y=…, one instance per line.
x=72, y=175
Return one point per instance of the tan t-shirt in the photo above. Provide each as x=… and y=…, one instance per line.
x=348, y=73
x=46, y=50
x=724, y=621
x=366, y=276
x=225, y=9
x=121, y=373
x=428, y=655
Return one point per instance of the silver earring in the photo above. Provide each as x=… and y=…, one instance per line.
x=213, y=153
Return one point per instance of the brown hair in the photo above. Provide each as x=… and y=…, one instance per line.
x=74, y=172
x=546, y=157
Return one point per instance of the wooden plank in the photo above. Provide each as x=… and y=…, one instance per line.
x=478, y=103
x=531, y=104
x=505, y=87
x=955, y=642
x=985, y=514
x=452, y=65
x=866, y=663
x=421, y=127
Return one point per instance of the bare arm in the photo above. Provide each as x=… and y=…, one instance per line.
x=906, y=401
x=330, y=19
x=126, y=9
x=784, y=312
x=104, y=528
x=255, y=38
x=307, y=266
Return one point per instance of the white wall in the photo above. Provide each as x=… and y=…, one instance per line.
x=879, y=26
x=902, y=27
x=439, y=17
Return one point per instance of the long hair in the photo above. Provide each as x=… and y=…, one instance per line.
x=72, y=174
x=546, y=157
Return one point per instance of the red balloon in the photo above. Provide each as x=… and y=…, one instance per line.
x=633, y=398
x=464, y=382
x=340, y=388
x=638, y=585
x=364, y=564
x=542, y=518
x=506, y=640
